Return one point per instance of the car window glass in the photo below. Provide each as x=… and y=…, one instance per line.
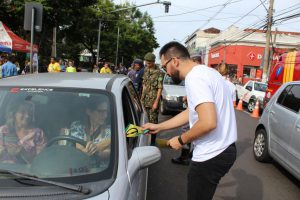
x=283, y=94
x=44, y=131
x=249, y=86
x=129, y=118
x=291, y=99
x=260, y=87
x=135, y=100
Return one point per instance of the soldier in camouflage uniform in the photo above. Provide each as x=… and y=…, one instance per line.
x=152, y=88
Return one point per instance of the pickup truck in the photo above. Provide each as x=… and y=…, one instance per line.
x=250, y=92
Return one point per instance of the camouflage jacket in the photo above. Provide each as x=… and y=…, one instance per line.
x=152, y=81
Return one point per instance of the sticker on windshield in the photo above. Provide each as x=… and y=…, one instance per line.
x=15, y=90
x=39, y=90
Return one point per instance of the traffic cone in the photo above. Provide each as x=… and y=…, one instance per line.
x=240, y=104
x=255, y=112
x=234, y=104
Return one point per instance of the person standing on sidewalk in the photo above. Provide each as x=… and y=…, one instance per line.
x=151, y=91
x=211, y=116
x=53, y=66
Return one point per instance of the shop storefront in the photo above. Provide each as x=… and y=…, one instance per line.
x=242, y=62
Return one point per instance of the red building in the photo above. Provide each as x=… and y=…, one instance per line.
x=243, y=58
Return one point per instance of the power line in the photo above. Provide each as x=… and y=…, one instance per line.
x=184, y=13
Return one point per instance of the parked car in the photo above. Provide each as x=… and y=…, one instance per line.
x=250, y=93
x=278, y=132
x=171, y=97
x=62, y=170
x=285, y=70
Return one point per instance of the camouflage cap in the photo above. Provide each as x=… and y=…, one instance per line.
x=150, y=57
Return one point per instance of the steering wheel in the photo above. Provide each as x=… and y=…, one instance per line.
x=69, y=138
x=95, y=158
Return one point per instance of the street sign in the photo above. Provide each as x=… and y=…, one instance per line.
x=38, y=9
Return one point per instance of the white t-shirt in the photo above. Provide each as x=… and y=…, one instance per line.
x=204, y=84
x=232, y=89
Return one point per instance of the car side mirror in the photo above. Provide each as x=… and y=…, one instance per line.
x=142, y=157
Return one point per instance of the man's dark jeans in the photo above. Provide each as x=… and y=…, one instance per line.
x=203, y=177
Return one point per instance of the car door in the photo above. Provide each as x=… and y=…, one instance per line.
x=282, y=119
x=294, y=158
x=247, y=91
x=133, y=114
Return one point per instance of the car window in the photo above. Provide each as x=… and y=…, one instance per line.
x=130, y=117
x=249, y=86
x=290, y=98
x=260, y=87
x=136, y=101
x=44, y=132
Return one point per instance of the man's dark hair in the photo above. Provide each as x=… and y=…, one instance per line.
x=54, y=58
x=174, y=49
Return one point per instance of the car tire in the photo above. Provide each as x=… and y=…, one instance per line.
x=251, y=105
x=162, y=108
x=260, y=146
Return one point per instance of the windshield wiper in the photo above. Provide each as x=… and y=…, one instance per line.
x=76, y=188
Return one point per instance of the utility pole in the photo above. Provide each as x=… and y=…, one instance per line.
x=267, y=49
x=117, y=51
x=272, y=51
x=98, y=44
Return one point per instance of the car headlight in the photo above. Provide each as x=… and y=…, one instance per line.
x=171, y=98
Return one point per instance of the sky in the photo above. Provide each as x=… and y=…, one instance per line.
x=186, y=16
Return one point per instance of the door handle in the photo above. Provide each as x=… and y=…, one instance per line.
x=272, y=112
x=298, y=127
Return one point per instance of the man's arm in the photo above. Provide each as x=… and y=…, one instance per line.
x=207, y=121
x=177, y=121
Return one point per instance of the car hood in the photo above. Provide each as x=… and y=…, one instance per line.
x=174, y=90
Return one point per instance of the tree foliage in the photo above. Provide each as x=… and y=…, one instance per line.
x=77, y=25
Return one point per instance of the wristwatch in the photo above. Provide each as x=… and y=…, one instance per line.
x=180, y=140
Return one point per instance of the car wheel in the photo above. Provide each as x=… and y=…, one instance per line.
x=260, y=146
x=162, y=108
x=251, y=105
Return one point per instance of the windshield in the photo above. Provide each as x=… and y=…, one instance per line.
x=260, y=87
x=168, y=81
x=57, y=133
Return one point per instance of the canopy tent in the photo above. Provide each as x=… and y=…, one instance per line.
x=14, y=42
x=5, y=49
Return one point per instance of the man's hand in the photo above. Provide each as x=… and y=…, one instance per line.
x=153, y=128
x=174, y=143
x=155, y=106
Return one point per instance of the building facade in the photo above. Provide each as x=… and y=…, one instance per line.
x=242, y=51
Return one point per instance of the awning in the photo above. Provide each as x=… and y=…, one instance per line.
x=5, y=49
x=14, y=42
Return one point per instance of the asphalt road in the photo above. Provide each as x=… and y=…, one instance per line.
x=247, y=179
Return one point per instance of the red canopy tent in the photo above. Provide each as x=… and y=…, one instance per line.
x=11, y=40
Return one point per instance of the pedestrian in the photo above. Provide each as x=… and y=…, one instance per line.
x=53, y=66
x=95, y=68
x=139, y=68
x=106, y=69
x=62, y=65
x=232, y=88
x=152, y=88
x=8, y=68
x=211, y=116
x=122, y=69
x=70, y=67
x=131, y=73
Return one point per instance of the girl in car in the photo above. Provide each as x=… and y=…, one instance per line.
x=20, y=141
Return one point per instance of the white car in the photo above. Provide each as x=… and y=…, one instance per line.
x=251, y=92
x=171, y=97
x=278, y=132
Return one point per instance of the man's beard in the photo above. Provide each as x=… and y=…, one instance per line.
x=175, y=78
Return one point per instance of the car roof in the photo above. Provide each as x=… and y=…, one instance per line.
x=68, y=80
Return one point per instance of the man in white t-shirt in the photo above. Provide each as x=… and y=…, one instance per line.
x=211, y=116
